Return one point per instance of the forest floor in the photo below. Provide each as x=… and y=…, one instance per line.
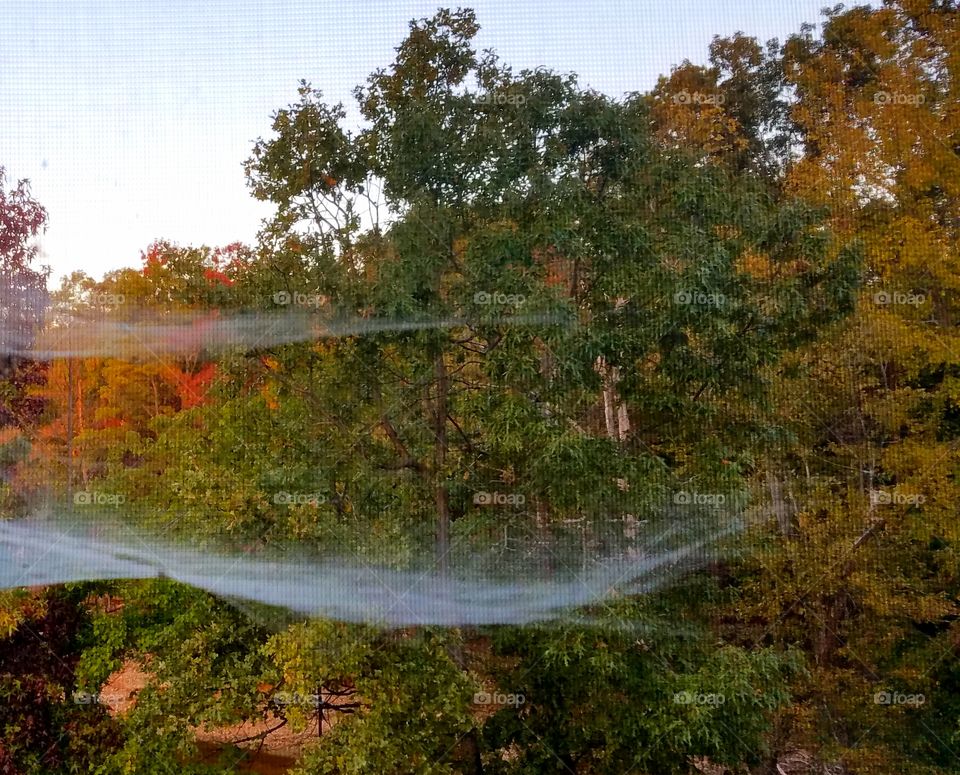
x=275, y=752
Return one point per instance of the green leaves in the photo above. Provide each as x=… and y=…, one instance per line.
x=602, y=695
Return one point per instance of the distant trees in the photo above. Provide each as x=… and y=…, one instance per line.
x=867, y=581
x=745, y=279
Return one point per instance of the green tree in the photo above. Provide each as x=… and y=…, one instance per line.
x=862, y=575
x=526, y=196
x=671, y=289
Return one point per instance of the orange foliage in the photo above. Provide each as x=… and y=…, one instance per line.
x=192, y=388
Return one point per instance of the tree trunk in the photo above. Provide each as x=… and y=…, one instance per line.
x=609, y=399
x=783, y=507
x=471, y=740
x=441, y=495
x=70, y=409
x=608, y=407
x=614, y=410
x=623, y=421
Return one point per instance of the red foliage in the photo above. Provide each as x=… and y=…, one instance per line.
x=21, y=219
x=152, y=258
x=215, y=275
x=192, y=388
x=39, y=661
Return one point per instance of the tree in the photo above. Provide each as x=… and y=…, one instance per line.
x=23, y=300
x=508, y=197
x=560, y=308
x=495, y=182
x=861, y=577
x=44, y=730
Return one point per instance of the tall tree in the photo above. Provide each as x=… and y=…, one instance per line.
x=499, y=185
x=866, y=577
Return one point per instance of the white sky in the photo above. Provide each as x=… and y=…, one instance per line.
x=132, y=118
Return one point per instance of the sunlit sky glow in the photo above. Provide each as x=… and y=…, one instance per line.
x=132, y=119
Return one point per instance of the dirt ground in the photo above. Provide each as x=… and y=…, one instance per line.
x=276, y=753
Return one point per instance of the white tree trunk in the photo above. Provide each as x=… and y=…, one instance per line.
x=614, y=410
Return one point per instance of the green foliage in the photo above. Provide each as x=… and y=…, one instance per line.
x=602, y=699
x=751, y=292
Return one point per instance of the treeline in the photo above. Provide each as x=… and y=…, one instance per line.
x=739, y=287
